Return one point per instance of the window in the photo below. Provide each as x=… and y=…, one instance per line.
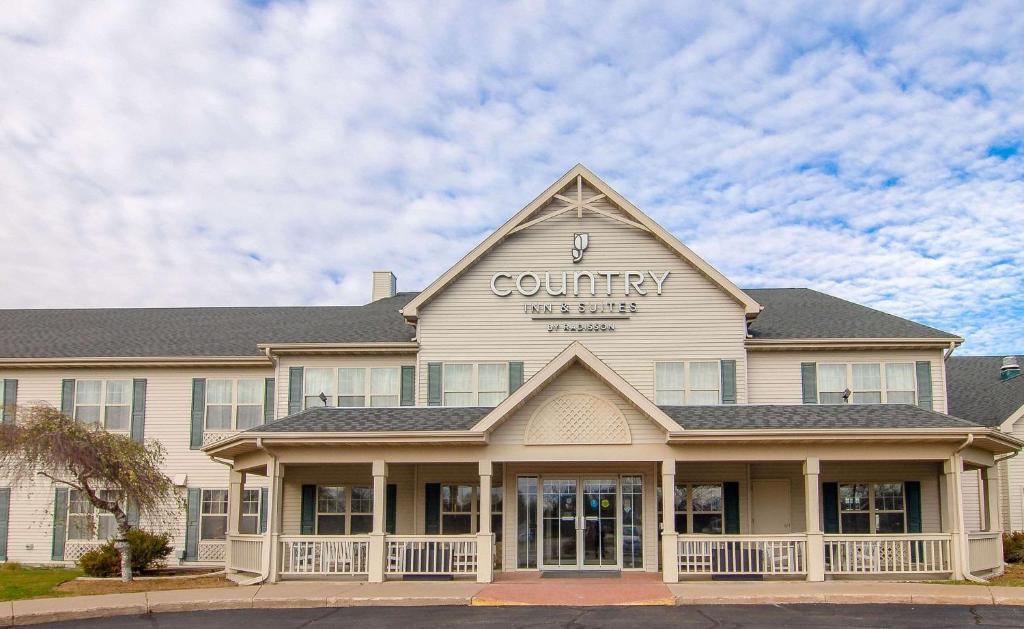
x=108, y=403
x=831, y=384
x=868, y=383
x=697, y=383
x=344, y=510
x=234, y=404
x=352, y=387
x=315, y=382
x=632, y=521
x=872, y=508
x=468, y=384
x=526, y=522
x=250, y=522
x=493, y=383
x=699, y=508
x=362, y=510
x=213, y=516
x=458, y=385
x=900, y=383
x=86, y=522
x=457, y=507
x=385, y=386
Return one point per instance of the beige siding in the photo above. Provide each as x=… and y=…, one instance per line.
x=970, y=483
x=1012, y=486
x=892, y=471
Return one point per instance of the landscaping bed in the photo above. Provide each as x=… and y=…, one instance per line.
x=83, y=586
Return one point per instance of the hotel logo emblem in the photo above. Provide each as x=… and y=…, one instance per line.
x=579, y=245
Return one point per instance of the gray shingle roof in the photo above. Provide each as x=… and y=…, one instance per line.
x=369, y=419
x=976, y=393
x=803, y=313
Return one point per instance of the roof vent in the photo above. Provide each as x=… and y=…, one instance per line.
x=1010, y=368
x=385, y=285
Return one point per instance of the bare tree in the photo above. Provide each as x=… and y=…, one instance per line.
x=45, y=442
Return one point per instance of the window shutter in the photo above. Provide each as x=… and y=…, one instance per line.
x=809, y=382
x=912, y=489
x=432, y=509
x=131, y=509
x=434, y=384
x=924, y=384
x=731, y=504
x=198, y=413
x=60, y=522
x=408, y=397
x=138, y=427
x=830, y=506
x=294, y=390
x=10, y=401
x=67, y=397
x=307, y=525
x=263, y=505
x=5, y=518
x=391, y=509
x=515, y=376
x=728, y=382
x=269, y=392
x=195, y=500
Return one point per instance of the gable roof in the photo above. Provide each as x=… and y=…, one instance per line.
x=975, y=391
x=579, y=173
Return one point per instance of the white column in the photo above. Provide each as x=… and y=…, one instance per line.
x=272, y=540
x=990, y=481
x=669, y=539
x=953, y=515
x=812, y=520
x=378, y=538
x=484, y=536
x=236, y=485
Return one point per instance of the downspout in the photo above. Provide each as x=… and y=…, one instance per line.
x=965, y=556
x=949, y=352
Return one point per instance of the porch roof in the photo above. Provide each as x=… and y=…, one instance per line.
x=378, y=419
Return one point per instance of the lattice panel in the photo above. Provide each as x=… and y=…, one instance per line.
x=217, y=435
x=577, y=418
x=211, y=551
x=73, y=551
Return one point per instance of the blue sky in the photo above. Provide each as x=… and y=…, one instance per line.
x=158, y=154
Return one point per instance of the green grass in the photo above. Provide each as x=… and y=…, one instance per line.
x=18, y=582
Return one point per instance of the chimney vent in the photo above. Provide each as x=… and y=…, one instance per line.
x=385, y=285
x=1010, y=368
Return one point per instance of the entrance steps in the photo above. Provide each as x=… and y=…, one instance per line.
x=530, y=588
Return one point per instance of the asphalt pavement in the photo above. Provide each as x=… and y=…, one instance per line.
x=736, y=616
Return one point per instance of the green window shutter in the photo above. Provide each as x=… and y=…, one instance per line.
x=912, y=489
x=924, y=384
x=294, y=390
x=731, y=504
x=391, y=509
x=830, y=506
x=269, y=392
x=408, y=396
x=434, y=384
x=10, y=401
x=198, y=413
x=263, y=509
x=60, y=522
x=515, y=376
x=5, y=519
x=307, y=525
x=432, y=509
x=132, y=511
x=195, y=500
x=728, y=382
x=138, y=427
x=67, y=397
x=809, y=382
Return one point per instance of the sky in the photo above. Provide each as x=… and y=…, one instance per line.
x=274, y=153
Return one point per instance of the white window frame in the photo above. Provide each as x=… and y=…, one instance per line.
x=102, y=404
x=250, y=498
x=204, y=515
x=474, y=382
x=311, y=399
x=872, y=510
x=690, y=512
x=347, y=505
x=261, y=384
x=883, y=383
x=92, y=515
x=688, y=388
x=362, y=395
x=372, y=394
x=474, y=508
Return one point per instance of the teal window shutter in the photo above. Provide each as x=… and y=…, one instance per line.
x=132, y=511
x=809, y=382
x=391, y=509
x=198, y=413
x=263, y=509
x=294, y=390
x=194, y=502
x=924, y=384
x=60, y=522
x=307, y=525
x=432, y=509
x=269, y=392
x=515, y=376
x=408, y=396
x=830, y=507
x=138, y=427
x=728, y=382
x=67, y=397
x=5, y=519
x=731, y=504
x=10, y=401
x=434, y=384
x=912, y=490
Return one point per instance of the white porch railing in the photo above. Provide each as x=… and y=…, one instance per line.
x=742, y=554
x=986, y=551
x=431, y=554
x=328, y=554
x=887, y=554
x=245, y=553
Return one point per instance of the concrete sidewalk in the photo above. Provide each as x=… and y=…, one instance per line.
x=412, y=593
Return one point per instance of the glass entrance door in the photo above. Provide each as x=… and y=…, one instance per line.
x=559, y=522
x=600, y=520
x=580, y=523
